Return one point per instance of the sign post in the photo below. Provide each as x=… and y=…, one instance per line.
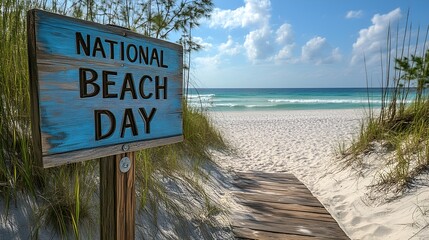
x=102, y=92
x=117, y=198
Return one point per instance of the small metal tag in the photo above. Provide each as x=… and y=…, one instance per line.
x=124, y=164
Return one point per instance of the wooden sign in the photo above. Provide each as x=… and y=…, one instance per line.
x=100, y=90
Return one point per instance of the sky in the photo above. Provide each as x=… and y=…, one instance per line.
x=300, y=44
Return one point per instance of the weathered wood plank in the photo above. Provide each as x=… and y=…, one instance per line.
x=107, y=198
x=267, y=178
x=268, y=175
x=265, y=209
x=247, y=233
x=34, y=89
x=290, y=220
x=272, y=188
x=98, y=86
x=289, y=207
x=126, y=199
x=77, y=156
x=273, y=182
x=279, y=199
x=278, y=193
x=268, y=190
x=292, y=227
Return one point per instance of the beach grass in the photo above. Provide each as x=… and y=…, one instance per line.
x=16, y=162
x=400, y=128
x=65, y=197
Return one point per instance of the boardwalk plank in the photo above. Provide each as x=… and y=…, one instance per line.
x=273, y=175
x=268, y=181
x=274, y=187
x=292, y=207
x=302, y=200
x=247, y=233
x=267, y=210
x=292, y=227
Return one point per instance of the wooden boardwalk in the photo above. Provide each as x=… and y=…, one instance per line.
x=279, y=206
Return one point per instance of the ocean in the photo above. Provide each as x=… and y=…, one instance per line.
x=242, y=99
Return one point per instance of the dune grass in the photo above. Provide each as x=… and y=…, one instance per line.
x=181, y=163
x=16, y=162
x=400, y=128
x=65, y=197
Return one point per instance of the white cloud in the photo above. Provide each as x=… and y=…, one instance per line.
x=285, y=53
x=284, y=34
x=208, y=62
x=318, y=51
x=230, y=47
x=263, y=45
x=200, y=41
x=258, y=44
x=354, y=14
x=254, y=12
x=372, y=40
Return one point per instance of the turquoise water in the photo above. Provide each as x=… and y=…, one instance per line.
x=242, y=99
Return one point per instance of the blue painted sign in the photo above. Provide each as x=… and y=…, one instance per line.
x=99, y=90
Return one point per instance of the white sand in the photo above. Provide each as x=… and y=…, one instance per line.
x=299, y=142
x=202, y=224
x=304, y=143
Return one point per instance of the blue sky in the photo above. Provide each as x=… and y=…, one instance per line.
x=290, y=43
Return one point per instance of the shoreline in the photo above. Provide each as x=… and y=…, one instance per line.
x=303, y=142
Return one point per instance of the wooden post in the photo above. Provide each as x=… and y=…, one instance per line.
x=117, y=198
x=73, y=120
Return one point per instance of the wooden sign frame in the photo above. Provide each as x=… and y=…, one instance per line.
x=99, y=90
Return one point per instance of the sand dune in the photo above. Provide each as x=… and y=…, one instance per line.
x=304, y=143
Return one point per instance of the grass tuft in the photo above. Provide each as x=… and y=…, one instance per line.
x=67, y=199
x=400, y=130
x=179, y=165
